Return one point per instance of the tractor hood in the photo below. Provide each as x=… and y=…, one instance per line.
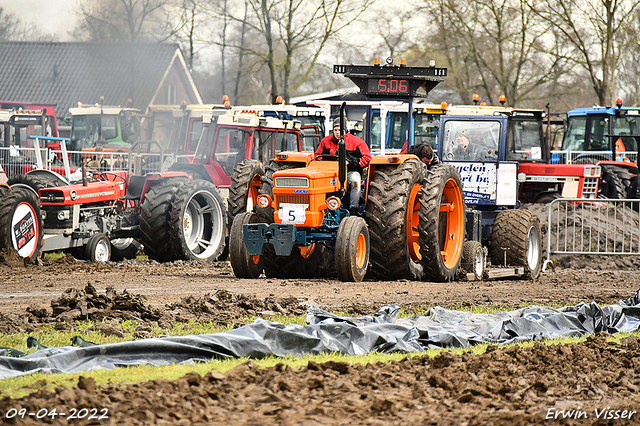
x=94, y=192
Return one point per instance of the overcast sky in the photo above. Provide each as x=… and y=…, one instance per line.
x=51, y=16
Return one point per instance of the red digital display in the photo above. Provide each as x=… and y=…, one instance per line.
x=388, y=86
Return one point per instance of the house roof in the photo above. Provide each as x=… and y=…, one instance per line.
x=68, y=73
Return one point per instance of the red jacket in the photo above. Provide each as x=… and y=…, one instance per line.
x=357, y=150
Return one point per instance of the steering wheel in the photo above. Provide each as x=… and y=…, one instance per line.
x=111, y=176
x=327, y=157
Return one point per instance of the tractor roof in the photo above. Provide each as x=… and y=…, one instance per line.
x=478, y=110
x=97, y=110
x=253, y=119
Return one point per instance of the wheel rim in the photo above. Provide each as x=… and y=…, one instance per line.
x=478, y=266
x=25, y=224
x=101, y=253
x=202, y=229
x=533, y=248
x=452, y=205
x=413, y=207
x=121, y=243
x=361, y=250
x=307, y=251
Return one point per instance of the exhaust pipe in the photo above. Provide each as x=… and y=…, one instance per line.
x=342, y=151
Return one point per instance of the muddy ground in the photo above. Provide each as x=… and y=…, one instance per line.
x=503, y=386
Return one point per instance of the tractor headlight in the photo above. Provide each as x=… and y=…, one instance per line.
x=264, y=201
x=333, y=203
x=63, y=215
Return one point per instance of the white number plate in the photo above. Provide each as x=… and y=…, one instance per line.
x=293, y=214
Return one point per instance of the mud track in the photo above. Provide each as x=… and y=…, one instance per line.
x=504, y=386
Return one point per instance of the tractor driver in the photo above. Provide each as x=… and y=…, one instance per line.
x=358, y=157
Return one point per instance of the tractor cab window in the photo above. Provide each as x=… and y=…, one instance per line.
x=397, y=131
x=230, y=147
x=426, y=129
x=574, y=138
x=466, y=140
x=626, y=129
x=524, y=141
x=267, y=144
x=109, y=128
x=598, y=131
x=375, y=130
x=194, y=135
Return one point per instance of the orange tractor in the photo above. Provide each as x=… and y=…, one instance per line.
x=411, y=224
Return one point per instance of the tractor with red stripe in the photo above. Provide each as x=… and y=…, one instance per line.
x=410, y=222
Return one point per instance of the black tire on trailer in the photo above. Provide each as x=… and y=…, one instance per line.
x=21, y=226
x=245, y=182
x=124, y=248
x=154, y=219
x=352, y=249
x=98, y=248
x=517, y=232
x=392, y=216
x=266, y=215
x=243, y=265
x=35, y=182
x=473, y=259
x=197, y=222
x=441, y=223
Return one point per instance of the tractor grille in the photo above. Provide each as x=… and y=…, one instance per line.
x=292, y=199
x=292, y=182
x=589, y=187
x=52, y=196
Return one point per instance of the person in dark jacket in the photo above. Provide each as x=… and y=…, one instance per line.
x=424, y=152
x=358, y=157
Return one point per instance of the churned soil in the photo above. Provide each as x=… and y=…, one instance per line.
x=595, y=381
x=503, y=386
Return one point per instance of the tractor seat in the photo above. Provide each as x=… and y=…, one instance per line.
x=134, y=188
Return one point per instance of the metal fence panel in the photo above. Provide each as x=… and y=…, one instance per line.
x=606, y=227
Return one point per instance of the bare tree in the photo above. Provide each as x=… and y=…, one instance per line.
x=594, y=33
x=121, y=20
x=13, y=29
x=493, y=47
x=288, y=37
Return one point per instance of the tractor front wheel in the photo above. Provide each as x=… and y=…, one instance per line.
x=243, y=264
x=98, y=248
x=352, y=249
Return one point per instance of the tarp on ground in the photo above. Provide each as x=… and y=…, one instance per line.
x=326, y=333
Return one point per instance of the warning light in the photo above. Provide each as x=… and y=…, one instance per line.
x=503, y=99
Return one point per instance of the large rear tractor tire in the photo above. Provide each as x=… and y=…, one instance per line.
x=21, y=225
x=392, y=216
x=352, y=249
x=154, y=219
x=517, y=232
x=197, y=222
x=441, y=223
x=243, y=265
x=244, y=187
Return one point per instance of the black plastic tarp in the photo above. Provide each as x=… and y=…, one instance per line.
x=326, y=332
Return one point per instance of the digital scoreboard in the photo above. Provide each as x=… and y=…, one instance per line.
x=393, y=81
